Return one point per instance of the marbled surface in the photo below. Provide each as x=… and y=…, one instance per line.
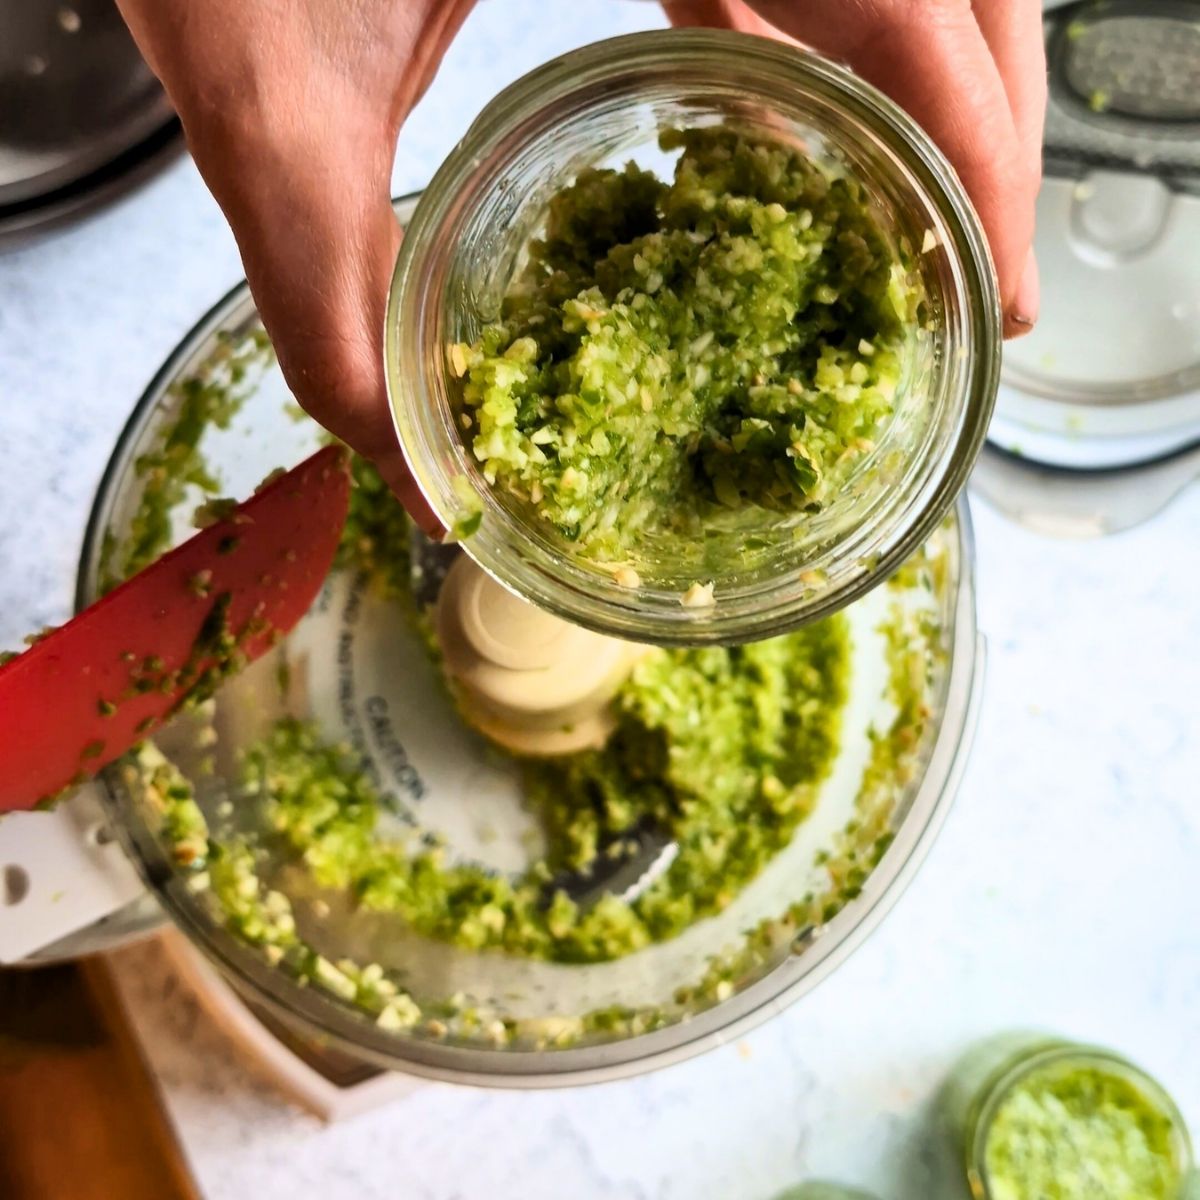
x=1063, y=892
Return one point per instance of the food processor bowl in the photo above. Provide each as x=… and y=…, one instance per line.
x=219, y=416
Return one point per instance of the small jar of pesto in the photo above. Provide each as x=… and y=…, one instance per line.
x=821, y=1190
x=1032, y=1117
x=693, y=338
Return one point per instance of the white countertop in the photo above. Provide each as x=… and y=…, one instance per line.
x=1063, y=892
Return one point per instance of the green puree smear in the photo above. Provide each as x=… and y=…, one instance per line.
x=673, y=351
x=726, y=749
x=175, y=467
x=722, y=748
x=1080, y=1132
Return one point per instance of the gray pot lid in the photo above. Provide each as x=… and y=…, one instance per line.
x=84, y=118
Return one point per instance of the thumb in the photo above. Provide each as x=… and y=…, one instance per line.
x=319, y=244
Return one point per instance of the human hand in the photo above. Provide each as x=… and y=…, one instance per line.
x=971, y=72
x=292, y=109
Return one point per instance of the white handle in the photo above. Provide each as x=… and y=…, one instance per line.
x=60, y=871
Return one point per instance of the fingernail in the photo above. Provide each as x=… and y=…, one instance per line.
x=1023, y=311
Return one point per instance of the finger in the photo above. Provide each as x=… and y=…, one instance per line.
x=318, y=251
x=1023, y=312
x=932, y=59
x=437, y=29
x=1013, y=32
x=318, y=240
x=718, y=14
x=293, y=124
x=327, y=328
x=394, y=470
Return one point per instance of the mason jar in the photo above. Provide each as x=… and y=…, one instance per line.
x=975, y=1112
x=605, y=105
x=822, y=1190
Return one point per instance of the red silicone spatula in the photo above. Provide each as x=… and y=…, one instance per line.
x=85, y=693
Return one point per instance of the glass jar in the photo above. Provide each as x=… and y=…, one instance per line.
x=992, y=1073
x=602, y=106
x=821, y=1190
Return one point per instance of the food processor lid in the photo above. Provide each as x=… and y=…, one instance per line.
x=1110, y=375
x=1118, y=221
x=1124, y=88
x=1119, y=258
x=1097, y=420
x=84, y=117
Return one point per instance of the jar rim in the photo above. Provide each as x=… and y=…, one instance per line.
x=504, y=546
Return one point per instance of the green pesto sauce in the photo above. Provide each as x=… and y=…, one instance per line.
x=209, y=399
x=733, y=801
x=762, y=773
x=676, y=350
x=721, y=748
x=1080, y=1132
x=375, y=538
x=224, y=869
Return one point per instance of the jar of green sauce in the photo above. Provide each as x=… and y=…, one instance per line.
x=1031, y=1117
x=548, y=307
x=821, y=1190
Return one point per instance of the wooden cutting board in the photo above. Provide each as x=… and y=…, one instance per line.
x=80, y=1115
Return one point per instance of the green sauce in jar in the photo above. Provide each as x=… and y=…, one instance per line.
x=1043, y=1119
x=677, y=350
x=816, y=1190
x=1072, y=1130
